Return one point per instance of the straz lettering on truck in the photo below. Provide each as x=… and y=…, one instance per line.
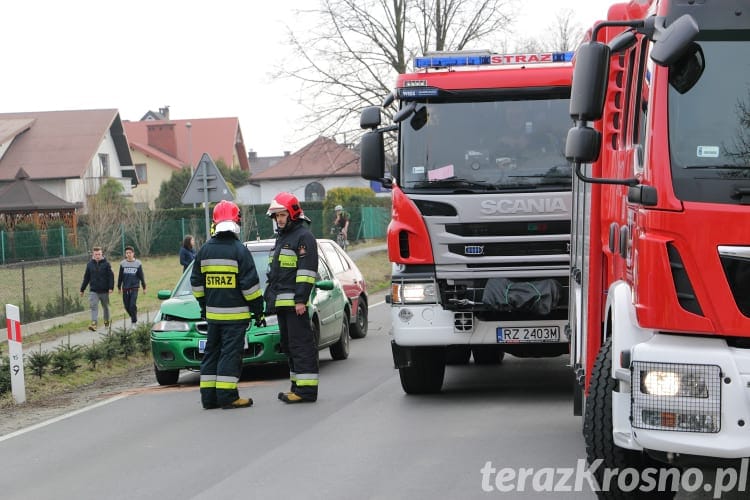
x=220, y=281
x=524, y=206
x=521, y=58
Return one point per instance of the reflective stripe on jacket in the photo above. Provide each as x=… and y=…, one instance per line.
x=224, y=280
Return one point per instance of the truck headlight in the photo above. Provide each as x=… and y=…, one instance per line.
x=413, y=293
x=676, y=397
x=660, y=383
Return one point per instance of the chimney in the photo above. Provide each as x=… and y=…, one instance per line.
x=252, y=155
x=287, y=153
x=162, y=137
x=164, y=112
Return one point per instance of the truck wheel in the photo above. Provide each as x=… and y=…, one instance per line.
x=457, y=355
x=487, y=355
x=359, y=327
x=425, y=375
x=597, y=433
x=166, y=377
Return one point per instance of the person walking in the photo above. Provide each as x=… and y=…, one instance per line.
x=187, y=251
x=293, y=267
x=225, y=283
x=129, y=278
x=101, y=281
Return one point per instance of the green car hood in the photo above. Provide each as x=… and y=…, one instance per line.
x=185, y=307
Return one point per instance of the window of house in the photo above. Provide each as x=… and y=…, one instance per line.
x=104, y=164
x=314, y=192
x=141, y=173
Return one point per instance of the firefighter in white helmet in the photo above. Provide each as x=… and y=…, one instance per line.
x=225, y=283
x=293, y=268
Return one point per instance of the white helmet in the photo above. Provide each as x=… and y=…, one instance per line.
x=338, y=207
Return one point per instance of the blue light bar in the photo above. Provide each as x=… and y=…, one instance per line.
x=457, y=59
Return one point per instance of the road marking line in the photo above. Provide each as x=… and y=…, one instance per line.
x=62, y=417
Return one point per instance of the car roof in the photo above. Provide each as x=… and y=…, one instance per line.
x=267, y=244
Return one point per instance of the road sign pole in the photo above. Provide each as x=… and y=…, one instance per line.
x=205, y=199
x=15, y=353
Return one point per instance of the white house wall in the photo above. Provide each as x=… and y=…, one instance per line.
x=270, y=188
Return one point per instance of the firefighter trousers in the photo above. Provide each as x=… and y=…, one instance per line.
x=300, y=345
x=222, y=363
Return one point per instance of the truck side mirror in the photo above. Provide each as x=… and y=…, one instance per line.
x=589, y=81
x=583, y=145
x=372, y=156
x=370, y=117
x=670, y=43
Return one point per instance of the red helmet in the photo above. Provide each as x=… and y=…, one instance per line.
x=286, y=202
x=227, y=217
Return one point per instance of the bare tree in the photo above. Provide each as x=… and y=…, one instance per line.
x=350, y=57
x=106, y=213
x=565, y=33
x=143, y=226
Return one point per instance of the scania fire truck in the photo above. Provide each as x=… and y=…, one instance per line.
x=660, y=265
x=481, y=204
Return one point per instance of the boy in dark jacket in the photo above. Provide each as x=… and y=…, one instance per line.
x=129, y=279
x=101, y=281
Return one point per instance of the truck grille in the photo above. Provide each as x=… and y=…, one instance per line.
x=526, y=228
x=466, y=296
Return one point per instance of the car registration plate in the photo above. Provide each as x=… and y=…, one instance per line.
x=528, y=334
x=201, y=346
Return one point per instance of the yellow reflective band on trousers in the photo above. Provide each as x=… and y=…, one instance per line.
x=208, y=381
x=307, y=379
x=227, y=313
x=226, y=382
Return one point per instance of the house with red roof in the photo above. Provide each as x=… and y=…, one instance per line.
x=307, y=173
x=160, y=146
x=69, y=154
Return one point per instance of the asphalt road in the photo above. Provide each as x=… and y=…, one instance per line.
x=364, y=438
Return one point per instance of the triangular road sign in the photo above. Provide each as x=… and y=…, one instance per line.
x=206, y=179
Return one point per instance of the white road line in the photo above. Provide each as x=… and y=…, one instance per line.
x=62, y=417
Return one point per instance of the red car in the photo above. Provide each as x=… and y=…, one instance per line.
x=353, y=282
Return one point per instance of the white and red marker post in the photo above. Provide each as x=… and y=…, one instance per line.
x=15, y=353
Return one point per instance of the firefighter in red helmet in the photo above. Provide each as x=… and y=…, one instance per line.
x=293, y=268
x=225, y=283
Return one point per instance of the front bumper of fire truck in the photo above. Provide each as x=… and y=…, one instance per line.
x=431, y=325
x=686, y=395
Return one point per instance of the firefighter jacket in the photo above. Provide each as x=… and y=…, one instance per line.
x=292, y=267
x=225, y=282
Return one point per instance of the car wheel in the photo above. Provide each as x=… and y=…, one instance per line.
x=166, y=377
x=340, y=350
x=359, y=327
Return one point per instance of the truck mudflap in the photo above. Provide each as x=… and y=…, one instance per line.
x=404, y=356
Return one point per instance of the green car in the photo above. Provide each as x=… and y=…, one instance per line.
x=178, y=335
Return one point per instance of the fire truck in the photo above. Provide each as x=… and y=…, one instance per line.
x=481, y=205
x=660, y=262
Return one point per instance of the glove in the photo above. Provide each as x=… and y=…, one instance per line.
x=256, y=307
x=260, y=320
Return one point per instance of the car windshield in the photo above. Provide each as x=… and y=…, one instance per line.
x=468, y=147
x=260, y=258
x=709, y=125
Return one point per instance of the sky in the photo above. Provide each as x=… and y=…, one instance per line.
x=203, y=59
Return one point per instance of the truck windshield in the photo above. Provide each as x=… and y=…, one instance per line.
x=709, y=125
x=486, y=146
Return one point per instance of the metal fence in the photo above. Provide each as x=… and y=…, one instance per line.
x=26, y=246
x=41, y=271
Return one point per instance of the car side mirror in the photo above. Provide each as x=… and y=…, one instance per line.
x=163, y=294
x=324, y=284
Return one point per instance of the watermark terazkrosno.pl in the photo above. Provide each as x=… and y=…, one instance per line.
x=583, y=477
